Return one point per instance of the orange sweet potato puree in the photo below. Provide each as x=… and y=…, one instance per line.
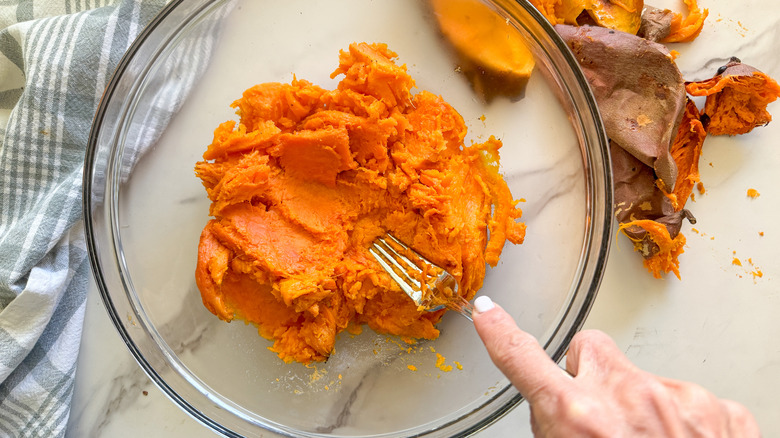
x=307, y=180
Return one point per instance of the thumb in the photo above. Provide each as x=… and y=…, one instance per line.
x=516, y=353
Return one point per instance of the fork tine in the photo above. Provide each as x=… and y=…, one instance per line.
x=418, y=269
x=393, y=267
x=401, y=258
x=420, y=259
x=411, y=272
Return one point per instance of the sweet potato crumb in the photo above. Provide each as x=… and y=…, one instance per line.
x=736, y=262
x=753, y=193
x=412, y=367
x=441, y=365
x=761, y=233
x=700, y=186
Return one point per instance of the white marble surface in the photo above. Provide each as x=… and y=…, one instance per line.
x=717, y=326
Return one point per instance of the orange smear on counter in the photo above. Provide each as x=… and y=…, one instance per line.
x=688, y=28
x=307, y=180
x=666, y=260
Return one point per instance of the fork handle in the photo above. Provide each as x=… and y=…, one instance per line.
x=462, y=306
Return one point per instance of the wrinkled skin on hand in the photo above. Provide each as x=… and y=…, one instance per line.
x=608, y=396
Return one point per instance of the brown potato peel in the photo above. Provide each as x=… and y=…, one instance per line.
x=638, y=85
x=639, y=90
x=655, y=137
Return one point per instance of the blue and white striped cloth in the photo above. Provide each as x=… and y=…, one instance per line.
x=55, y=60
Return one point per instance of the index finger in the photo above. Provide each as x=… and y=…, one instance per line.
x=518, y=355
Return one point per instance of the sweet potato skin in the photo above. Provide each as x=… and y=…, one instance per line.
x=639, y=90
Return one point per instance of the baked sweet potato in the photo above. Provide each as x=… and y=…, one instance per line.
x=737, y=98
x=686, y=28
x=622, y=15
x=492, y=54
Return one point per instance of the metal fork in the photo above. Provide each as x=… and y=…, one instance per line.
x=428, y=285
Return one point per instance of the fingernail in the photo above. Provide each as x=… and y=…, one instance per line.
x=483, y=303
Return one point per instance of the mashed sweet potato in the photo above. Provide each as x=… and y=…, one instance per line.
x=310, y=177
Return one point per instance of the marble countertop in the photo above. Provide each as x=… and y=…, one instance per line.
x=717, y=326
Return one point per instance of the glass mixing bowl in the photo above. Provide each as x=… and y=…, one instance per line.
x=144, y=210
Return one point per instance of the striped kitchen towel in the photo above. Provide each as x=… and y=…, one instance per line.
x=55, y=60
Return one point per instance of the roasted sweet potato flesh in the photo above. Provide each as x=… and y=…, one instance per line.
x=310, y=177
x=737, y=98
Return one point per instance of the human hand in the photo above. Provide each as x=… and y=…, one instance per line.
x=608, y=396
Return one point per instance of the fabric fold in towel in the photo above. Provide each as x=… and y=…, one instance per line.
x=55, y=62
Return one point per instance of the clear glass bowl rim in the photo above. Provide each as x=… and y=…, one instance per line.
x=596, y=161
